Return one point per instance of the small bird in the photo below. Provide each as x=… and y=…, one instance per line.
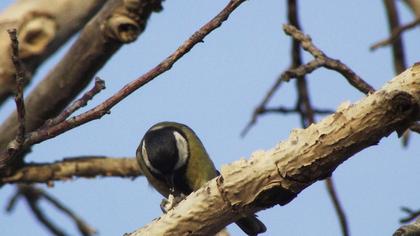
x=175, y=162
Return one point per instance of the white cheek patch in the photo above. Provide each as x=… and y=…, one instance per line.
x=182, y=146
x=146, y=159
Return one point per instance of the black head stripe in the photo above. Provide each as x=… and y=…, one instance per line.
x=162, y=150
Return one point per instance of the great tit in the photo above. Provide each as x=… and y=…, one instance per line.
x=174, y=161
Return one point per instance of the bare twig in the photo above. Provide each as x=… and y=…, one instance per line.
x=12, y=201
x=81, y=102
x=322, y=60
x=69, y=168
x=14, y=147
x=395, y=34
x=82, y=226
x=33, y=195
x=104, y=108
x=261, y=107
x=118, y=22
x=411, y=215
x=286, y=110
x=20, y=82
x=397, y=44
x=338, y=207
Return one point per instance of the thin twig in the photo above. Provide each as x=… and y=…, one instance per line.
x=32, y=196
x=104, y=108
x=397, y=45
x=322, y=60
x=76, y=167
x=287, y=110
x=337, y=206
x=12, y=201
x=20, y=82
x=81, y=102
x=261, y=107
x=82, y=226
x=411, y=215
x=395, y=34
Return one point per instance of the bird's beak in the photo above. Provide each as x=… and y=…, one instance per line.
x=170, y=181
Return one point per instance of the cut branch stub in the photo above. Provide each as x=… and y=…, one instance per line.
x=127, y=22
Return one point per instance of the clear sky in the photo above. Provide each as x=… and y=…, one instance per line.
x=214, y=89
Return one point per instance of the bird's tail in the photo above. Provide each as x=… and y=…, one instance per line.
x=251, y=225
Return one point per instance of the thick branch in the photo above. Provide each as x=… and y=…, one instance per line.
x=119, y=22
x=43, y=27
x=69, y=168
x=411, y=229
x=276, y=176
x=104, y=108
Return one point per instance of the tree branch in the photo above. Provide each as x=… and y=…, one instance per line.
x=276, y=176
x=118, y=22
x=104, y=108
x=322, y=60
x=412, y=229
x=33, y=195
x=397, y=45
x=307, y=112
x=395, y=34
x=411, y=215
x=20, y=81
x=43, y=27
x=69, y=168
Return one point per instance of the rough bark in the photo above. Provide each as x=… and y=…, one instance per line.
x=117, y=23
x=43, y=27
x=276, y=176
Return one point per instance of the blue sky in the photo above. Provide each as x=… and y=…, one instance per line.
x=214, y=90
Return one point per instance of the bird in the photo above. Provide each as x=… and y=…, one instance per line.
x=175, y=162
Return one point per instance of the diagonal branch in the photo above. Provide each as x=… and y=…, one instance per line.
x=322, y=60
x=411, y=215
x=117, y=23
x=34, y=195
x=104, y=108
x=396, y=34
x=278, y=175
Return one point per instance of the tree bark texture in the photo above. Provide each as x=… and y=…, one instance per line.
x=276, y=176
x=43, y=26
